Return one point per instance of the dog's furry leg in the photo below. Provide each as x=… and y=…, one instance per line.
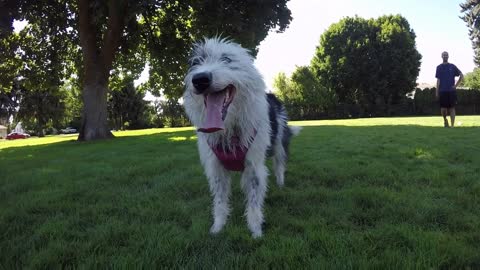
x=280, y=149
x=220, y=189
x=254, y=184
x=279, y=163
x=219, y=182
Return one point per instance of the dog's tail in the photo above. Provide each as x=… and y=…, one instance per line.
x=295, y=130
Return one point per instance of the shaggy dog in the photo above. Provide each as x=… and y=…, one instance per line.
x=238, y=126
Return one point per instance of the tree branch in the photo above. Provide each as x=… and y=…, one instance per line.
x=88, y=40
x=115, y=25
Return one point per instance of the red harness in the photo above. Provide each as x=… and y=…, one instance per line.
x=232, y=159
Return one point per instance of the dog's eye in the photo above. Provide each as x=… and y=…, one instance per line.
x=194, y=62
x=226, y=60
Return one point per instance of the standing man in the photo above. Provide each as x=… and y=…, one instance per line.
x=446, y=88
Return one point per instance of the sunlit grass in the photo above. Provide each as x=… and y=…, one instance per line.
x=141, y=132
x=37, y=141
x=72, y=137
x=432, y=121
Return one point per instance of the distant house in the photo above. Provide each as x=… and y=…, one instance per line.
x=3, y=132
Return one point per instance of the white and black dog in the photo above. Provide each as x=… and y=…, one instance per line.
x=238, y=125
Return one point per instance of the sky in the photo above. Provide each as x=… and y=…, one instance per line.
x=436, y=24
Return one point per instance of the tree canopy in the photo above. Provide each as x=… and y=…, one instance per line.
x=97, y=39
x=303, y=94
x=471, y=10
x=368, y=62
x=472, y=79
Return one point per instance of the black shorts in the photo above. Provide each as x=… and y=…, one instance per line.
x=447, y=99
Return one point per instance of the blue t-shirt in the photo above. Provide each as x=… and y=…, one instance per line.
x=446, y=73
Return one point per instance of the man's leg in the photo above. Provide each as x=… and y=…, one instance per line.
x=452, y=116
x=444, y=112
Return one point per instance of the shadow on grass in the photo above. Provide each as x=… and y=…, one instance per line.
x=372, y=196
x=317, y=148
x=125, y=151
x=380, y=147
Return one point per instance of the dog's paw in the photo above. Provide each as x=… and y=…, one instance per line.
x=257, y=234
x=256, y=230
x=216, y=228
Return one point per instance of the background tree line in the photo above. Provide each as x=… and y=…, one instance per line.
x=365, y=68
x=77, y=60
x=360, y=68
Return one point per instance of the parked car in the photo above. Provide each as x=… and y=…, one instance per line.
x=17, y=135
x=68, y=130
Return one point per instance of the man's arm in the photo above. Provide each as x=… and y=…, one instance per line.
x=438, y=82
x=460, y=79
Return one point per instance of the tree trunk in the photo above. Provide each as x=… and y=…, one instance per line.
x=97, y=65
x=94, y=120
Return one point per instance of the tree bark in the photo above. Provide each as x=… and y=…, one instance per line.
x=94, y=123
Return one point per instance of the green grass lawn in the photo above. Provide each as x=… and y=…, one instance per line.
x=397, y=193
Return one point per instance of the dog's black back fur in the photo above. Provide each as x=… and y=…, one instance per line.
x=276, y=112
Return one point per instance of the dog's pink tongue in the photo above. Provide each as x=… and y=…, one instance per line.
x=213, y=121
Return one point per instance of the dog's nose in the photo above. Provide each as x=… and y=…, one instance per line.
x=201, y=81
